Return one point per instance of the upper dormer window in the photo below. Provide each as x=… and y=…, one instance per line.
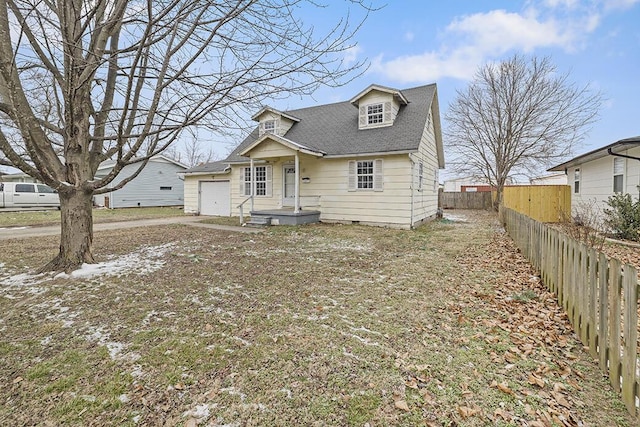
x=269, y=126
x=375, y=114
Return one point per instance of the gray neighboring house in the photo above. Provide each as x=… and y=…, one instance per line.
x=158, y=184
x=373, y=160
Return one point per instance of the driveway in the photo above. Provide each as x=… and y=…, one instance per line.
x=24, y=232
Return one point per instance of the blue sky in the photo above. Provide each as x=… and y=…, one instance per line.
x=415, y=42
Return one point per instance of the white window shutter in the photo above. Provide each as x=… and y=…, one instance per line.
x=276, y=127
x=387, y=112
x=363, y=115
x=261, y=129
x=352, y=175
x=242, y=181
x=268, y=177
x=378, y=176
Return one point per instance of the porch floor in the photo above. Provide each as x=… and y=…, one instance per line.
x=286, y=216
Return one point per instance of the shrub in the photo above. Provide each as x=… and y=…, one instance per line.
x=623, y=217
x=585, y=224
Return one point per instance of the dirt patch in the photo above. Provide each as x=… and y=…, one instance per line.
x=314, y=325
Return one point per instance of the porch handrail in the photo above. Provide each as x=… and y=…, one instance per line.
x=240, y=206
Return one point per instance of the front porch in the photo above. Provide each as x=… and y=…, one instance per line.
x=284, y=216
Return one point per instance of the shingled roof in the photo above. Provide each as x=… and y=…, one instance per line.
x=209, y=168
x=333, y=128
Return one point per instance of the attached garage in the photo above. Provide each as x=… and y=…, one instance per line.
x=215, y=198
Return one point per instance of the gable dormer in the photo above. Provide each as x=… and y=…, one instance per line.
x=273, y=121
x=378, y=106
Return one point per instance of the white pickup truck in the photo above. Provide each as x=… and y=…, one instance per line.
x=27, y=195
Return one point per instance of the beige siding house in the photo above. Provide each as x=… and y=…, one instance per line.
x=371, y=160
x=597, y=175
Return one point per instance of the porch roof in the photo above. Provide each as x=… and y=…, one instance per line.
x=292, y=145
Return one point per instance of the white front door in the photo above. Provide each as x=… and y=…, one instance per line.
x=289, y=190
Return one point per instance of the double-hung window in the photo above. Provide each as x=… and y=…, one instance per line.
x=576, y=181
x=618, y=175
x=262, y=178
x=270, y=126
x=375, y=114
x=365, y=175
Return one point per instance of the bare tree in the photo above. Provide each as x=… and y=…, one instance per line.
x=517, y=117
x=86, y=81
x=193, y=149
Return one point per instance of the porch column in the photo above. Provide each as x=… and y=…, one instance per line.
x=296, y=203
x=253, y=181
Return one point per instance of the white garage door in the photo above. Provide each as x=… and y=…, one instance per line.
x=215, y=198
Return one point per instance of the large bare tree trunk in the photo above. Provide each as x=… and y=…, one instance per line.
x=76, y=234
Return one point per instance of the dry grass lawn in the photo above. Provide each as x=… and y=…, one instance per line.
x=321, y=325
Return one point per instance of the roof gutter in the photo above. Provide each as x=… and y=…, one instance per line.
x=610, y=151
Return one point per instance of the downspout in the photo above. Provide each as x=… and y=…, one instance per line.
x=296, y=202
x=413, y=166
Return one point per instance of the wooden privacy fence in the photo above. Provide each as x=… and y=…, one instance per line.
x=544, y=203
x=599, y=295
x=465, y=200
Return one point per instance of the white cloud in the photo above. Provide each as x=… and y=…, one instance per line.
x=619, y=4
x=469, y=41
x=351, y=54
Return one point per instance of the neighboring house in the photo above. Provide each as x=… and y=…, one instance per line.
x=158, y=184
x=470, y=184
x=17, y=177
x=598, y=174
x=455, y=185
x=373, y=160
x=552, y=179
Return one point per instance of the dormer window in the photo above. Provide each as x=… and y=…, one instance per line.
x=375, y=114
x=269, y=126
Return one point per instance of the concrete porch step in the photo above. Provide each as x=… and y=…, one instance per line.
x=259, y=221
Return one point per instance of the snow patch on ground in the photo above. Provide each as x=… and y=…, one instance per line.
x=455, y=218
x=200, y=412
x=115, y=349
x=143, y=261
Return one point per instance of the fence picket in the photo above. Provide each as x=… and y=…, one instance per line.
x=603, y=329
x=592, y=303
x=630, y=334
x=614, y=323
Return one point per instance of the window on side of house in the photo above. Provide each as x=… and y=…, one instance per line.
x=576, y=181
x=618, y=175
x=365, y=175
x=375, y=114
x=263, y=181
